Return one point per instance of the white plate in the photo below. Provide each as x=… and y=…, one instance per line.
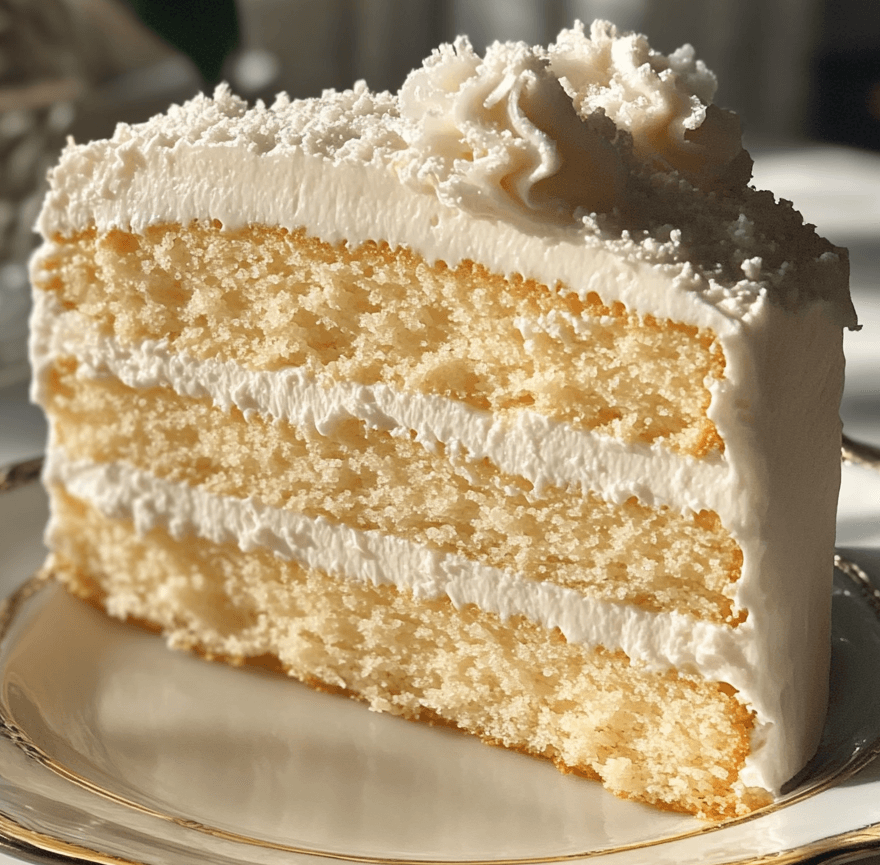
x=116, y=749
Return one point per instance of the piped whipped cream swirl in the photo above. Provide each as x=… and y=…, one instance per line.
x=663, y=102
x=501, y=133
x=563, y=130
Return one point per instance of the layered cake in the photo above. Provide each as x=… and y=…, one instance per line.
x=502, y=402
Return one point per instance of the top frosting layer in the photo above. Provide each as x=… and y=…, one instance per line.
x=596, y=140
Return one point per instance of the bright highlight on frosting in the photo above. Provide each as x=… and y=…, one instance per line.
x=566, y=129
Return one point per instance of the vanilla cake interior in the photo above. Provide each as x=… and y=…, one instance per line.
x=428, y=414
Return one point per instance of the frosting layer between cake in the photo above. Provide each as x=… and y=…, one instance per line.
x=527, y=444
x=657, y=640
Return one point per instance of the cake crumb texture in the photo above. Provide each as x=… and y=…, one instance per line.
x=662, y=738
x=269, y=299
x=653, y=557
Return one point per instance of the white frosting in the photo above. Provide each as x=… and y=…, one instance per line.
x=644, y=203
x=563, y=130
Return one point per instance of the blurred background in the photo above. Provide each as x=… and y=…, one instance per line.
x=803, y=74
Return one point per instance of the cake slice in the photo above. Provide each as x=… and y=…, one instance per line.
x=503, y=402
